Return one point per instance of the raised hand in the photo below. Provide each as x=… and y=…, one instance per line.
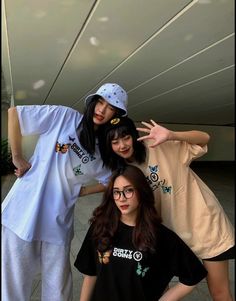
x=157, y=133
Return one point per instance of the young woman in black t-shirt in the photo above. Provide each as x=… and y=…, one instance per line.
x=128, y=254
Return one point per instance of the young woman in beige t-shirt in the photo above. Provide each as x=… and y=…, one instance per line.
x=186, y=204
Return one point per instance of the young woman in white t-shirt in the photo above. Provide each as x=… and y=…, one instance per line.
x=37, y=213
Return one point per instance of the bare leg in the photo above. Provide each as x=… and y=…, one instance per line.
x=218, y=280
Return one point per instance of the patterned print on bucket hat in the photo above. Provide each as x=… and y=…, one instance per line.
x=114, y=94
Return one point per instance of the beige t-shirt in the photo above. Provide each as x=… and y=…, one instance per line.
x=184, y=201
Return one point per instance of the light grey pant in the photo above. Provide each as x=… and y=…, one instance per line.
x=22, y=260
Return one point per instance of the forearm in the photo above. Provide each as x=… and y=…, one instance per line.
x=192, y=137
x=90, y=189
x=87, y=287
x=15, y=139
x=14, y=133
x=159, y=134
x=176, y=292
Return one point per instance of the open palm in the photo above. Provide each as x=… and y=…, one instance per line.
x=154, y=131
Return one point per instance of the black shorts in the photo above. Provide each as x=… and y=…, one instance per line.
x=229, y=254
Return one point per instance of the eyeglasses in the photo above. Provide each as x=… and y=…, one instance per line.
x=127, y=193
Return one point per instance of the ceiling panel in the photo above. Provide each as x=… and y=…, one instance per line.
x=197, y=103
x=105, y=44
x=197, y=28
x=198, y=67
x=174, y=57
x=41, y=34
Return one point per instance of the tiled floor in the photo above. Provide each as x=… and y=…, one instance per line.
x=219, y=178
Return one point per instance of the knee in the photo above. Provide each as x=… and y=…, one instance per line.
x=221, y=294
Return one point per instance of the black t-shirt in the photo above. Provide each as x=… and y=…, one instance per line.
x=126, y=274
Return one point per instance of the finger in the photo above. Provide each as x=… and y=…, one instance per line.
x=143, y=130
x=153, y=122
x=143, y=138
x=21, y=171
x=16, y=173
x=148, y=125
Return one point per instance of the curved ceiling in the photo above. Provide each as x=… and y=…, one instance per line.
x=174, y=58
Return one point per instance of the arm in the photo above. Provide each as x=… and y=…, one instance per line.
x=87, y=287
x=90, y=189
x=15, y=139
x=176, y=292
x=160, y=134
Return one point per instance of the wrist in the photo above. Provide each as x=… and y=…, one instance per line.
x=83, y=191
x=172, y=135
x=17, y=156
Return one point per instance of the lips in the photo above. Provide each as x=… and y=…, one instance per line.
x=98, y=117
x=124, y=152
x=124, y=207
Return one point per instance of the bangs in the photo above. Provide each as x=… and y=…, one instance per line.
x=118, y=133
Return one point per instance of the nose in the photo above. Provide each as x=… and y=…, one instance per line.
x=102, y=108
x=122, y=144
x=122, y=197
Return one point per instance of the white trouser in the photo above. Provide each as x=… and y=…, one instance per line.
x=22, y=260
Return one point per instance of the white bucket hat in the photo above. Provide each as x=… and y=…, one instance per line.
x=114, y=94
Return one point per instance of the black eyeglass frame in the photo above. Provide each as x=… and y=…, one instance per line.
x=129, y=190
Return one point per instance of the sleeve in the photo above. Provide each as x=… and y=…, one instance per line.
x=86, y=258
x=191, y=152
x=38, y=119
x=182, y=151
x=186, y=265
x=104, y=176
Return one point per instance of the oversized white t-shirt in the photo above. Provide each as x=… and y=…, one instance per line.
x=185, y=203
x=40, y=205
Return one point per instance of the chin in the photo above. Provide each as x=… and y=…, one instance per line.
x=126, y=156
x=97, y=122
x=122, y=156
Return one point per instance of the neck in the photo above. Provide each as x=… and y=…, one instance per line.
x=130, y=160
x=128, y=220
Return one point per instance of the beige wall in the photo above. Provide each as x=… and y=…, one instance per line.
x=221, y=145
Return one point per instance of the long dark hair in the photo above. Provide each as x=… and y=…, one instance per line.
x=87, y=134
x=115, y=130
x=106, y=217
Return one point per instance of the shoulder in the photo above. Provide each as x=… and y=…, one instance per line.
x=164, y=230
x=167, y=236
x=45, y=108
x=169, y=146
x=65, y=113
x=65, y=109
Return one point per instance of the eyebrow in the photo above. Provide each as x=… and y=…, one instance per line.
x=127, y=186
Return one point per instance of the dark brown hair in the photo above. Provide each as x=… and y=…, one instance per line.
x=106, y=217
